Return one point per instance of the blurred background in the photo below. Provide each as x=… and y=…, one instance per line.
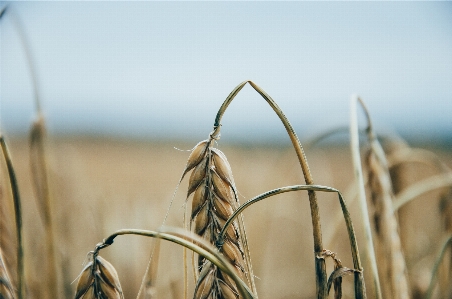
x=162, y=69
x=127, y=88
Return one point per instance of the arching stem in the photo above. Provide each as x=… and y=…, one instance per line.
x=321, y=276
x=190, y=241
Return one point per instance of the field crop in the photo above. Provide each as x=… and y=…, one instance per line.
x=100, y=187
x=96, y=217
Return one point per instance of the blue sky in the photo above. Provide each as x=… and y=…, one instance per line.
x=162, y=69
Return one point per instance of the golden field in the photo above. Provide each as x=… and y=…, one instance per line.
x=100, y=185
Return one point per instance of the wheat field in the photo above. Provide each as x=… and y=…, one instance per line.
x=100, y=185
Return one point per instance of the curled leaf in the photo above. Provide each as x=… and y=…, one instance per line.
x=339, y=273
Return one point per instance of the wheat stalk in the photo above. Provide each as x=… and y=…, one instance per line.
x=444, y=247
x=320, y=269
x=423, y=186
x=189, y=241
x=8, y=244
x=360, y=289
x=18, y=217
x=11, y=251
x=38, y=165
x=391, y=261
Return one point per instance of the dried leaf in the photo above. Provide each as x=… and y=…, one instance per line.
x=339, y=273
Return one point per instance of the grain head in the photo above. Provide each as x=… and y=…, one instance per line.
x=214, y=199
x=99, y=280
x=390, y=258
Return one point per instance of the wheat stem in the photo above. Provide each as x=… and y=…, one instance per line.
x=428, y=184
x=359, y=280
x=321, y=276
x=438, y=261
x=18, y=216
x=190, y=241
x=29, y=57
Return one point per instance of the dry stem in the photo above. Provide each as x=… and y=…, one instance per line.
x=321, y=277
x=18, y=216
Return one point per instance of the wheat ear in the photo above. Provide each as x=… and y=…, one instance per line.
x=391, y=261
x=214, y=200
x=98, y=280
x=359, y=178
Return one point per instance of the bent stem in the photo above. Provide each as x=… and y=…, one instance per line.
x=360, y=289
x=190, y=241
x=428, y=184
x=18, y=217
x=436, y=267
x=321, y=276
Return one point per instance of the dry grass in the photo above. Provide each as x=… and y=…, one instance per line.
x=80, y=201
x=97, y=196
x=223, y=267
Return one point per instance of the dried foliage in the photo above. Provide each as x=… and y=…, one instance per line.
x=223, y=266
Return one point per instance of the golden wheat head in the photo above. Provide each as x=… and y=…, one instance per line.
x=213, y=202
x=99, y=280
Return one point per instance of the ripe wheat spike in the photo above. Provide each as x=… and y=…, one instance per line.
x=214, y=199
x=99, y=280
